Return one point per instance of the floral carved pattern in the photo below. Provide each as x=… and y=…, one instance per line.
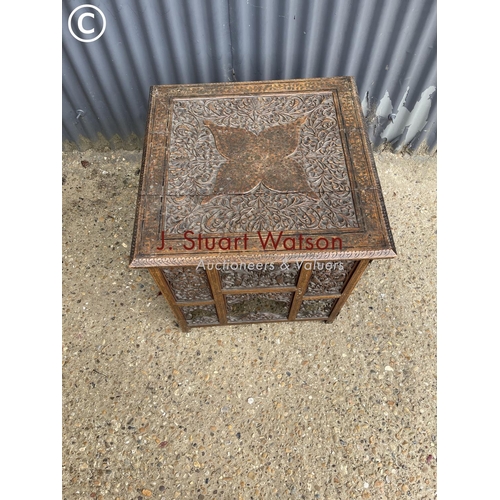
x=269, y=162
x=188, y=283
x=200, y=315
x=259, y=158
x=258, y=306
x=268, y=277
x=316, y=308
x=324, y=281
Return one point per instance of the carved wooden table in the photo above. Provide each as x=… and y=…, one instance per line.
x=258, y=201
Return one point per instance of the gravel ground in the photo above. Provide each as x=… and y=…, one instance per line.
x=283, y=410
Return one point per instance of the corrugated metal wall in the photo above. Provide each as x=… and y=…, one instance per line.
x=389, y=46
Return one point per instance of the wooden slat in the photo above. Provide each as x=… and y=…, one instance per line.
x=355, y=276
x=275, y=289
x=189, y=303
x=244, y=322
x=322, y=318
x=305, y=275
x=220, y=301
x=319, y=297
x=160, y=280
x=204, y=325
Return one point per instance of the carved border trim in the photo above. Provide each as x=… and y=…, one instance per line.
x=194, y=260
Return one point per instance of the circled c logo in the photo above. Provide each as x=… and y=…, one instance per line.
x=80, y=23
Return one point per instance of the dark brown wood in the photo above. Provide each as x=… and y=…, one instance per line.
x=167, y=293
x=305, y=275
x=220, y=302
x=236, y=291
x=318, y=297
x=353, y=280
x=284, y=320
x=249, y=191
x=319, y=318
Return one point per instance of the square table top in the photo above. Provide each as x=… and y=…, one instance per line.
x=258, y=172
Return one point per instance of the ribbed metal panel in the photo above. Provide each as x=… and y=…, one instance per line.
x=389, y=46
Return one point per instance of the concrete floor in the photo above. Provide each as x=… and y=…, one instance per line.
x=340, y=411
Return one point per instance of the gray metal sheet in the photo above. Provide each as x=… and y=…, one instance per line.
x=389, y=46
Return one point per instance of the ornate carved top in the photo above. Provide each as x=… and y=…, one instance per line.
x=258, y=158
x=236, y=159
x=257, y=163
